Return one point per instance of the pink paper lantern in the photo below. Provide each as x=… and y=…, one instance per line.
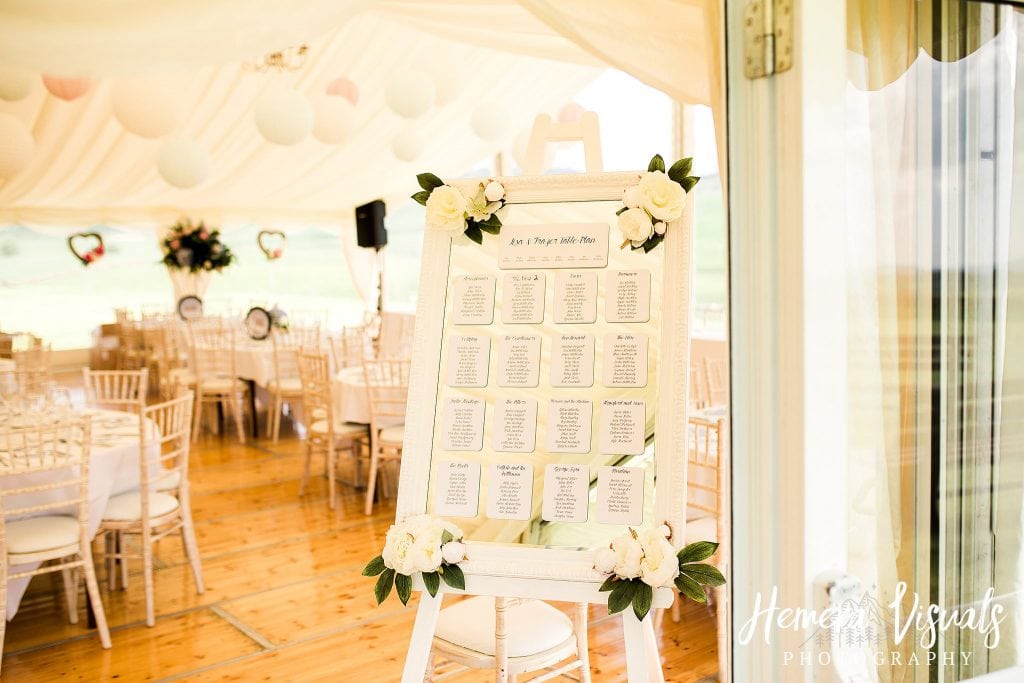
x=344, y=87
x=66, y=88
x=570, y=113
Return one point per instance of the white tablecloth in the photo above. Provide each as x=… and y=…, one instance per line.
x=113, y=469
x=255, y=360
x=351, y=403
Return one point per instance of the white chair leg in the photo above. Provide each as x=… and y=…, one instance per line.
x=332, y=461
x=147, y=577
x=197, y=415
x=583, y=641
x=121, y=541
x=188, y=539
x=236, y=407
x=108, y=546
x=94, y=598
x=70, y=579
x=305, y=470
x=371, y=482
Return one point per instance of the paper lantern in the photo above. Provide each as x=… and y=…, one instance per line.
x=283, y=116
x=446, y=73
x=16, y=145
x=410, y=94
x=570, y=113
x=66, y=88
x=148, y=107
x=15, y=84
x=344, y=87
x=334, y=119
x=407, y=145
x=183, y=163
x=489, y=121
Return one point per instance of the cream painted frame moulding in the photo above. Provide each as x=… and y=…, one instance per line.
x=501, y=561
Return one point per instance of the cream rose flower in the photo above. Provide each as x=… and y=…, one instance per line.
x=628, y=555
x=659, y=565
x=635, y=225
x=446, y=210
x=453, y=552
x=661, y=196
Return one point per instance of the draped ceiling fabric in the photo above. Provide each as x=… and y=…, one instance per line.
x=87, y=168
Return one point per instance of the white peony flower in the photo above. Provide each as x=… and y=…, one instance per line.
x=427, y=548
x=665, y=530
x=399, y=553
x=635, y=225
x=660, y=565
x=660, y=227
x=605, y=560
x=628, y=554
x=453, y=552
x=494, y=191
x=478, y=208
x=661, y=196
x=631, y=197
x=446, y=210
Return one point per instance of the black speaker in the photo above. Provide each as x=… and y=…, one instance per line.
x=370, y=230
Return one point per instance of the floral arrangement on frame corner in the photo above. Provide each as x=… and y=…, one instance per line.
x=418, y=544
x=653, y=203
x=451, y=211
x=195, y=248
x=637, y=563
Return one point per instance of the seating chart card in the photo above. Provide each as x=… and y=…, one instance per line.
x=468, y=357
x=515, y=425
x=510, y=491
x=572, y=360
x=569, y=422
x=523, y=298
x=622, y=427
x=566, y=493
x=575, y=297
x=625, y=360
x=569, y=245
x=519, y=360
x=474, y=300
x=620, y=495
x=458, y=489
x=462, y=424
x=628, y=296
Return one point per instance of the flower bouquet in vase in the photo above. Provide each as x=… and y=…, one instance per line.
x=192, y=252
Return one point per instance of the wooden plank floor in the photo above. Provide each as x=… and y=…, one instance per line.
x=284, y=598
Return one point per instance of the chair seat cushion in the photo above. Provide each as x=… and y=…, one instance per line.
x=38, y=534
x=340, y=428
x=533, y=626
x=395, y=434
x=288, y=385
x=128, y=506
x=701, y=529
x=169, y=481
x=181, y=376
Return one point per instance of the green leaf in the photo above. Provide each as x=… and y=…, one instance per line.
x=704, y=574
x=403, y=585
x=492, y=222
x=688, y=182
x=652, y=242
x=696, y=552
x=642, y=600
x=473, y=233
x=421, y=197
x=429, y=181
x=680, y=169
x=432, y=581
x=383, y=588
x=375, y=567
x=657, y=164
x=454, y=577
x=446, y=537
x=622, y=210
x=621, y=596
x=608, y=584
x=690, y=588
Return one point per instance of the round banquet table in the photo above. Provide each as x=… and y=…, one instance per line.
x=113, y=469
x=254, y=360
x=351, y=404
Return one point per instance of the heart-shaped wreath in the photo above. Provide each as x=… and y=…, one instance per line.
x=271, y=243
x=76, y=243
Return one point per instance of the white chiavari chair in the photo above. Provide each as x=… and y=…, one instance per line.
x=116, y=389
x=325, y=434
x=529, y=636
x=173, y=364
x=396, y=335
x=212, y=354
x=286, y=385
x=351, y=347
x=162, y=497
x=32, y=360
x=44, y=496
x=715, y=382
x=387, y=388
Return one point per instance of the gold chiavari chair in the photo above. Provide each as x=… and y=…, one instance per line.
x=387, y=387
x=32, y=360
x=162, y=497
x=351, y=347
x=116, y=389
x=212, y=357
x=325, y=434
x=286, y=385
x=44, y=498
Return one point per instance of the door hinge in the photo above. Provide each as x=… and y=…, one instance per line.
x=767, y=37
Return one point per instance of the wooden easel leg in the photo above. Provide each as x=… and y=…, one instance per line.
x=418, y=656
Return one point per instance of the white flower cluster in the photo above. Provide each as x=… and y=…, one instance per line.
x=448, y=209
x=416, y=544
x=650, y=206
x=647, y=555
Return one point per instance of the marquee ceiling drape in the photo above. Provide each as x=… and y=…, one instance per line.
x=87, y=168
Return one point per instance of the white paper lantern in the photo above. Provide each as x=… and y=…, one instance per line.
x=16, y=145
x=148, y=107
x=283, y=116
x=67, y=89
x=490, y=121
x=345, y=88
x=446, y=73
x=407, y=145
x=410, y=94
x=570, y=113
x=15, y=84
x=183, y=163
x=334, y=119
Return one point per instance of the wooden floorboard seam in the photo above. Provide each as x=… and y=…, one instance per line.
x=246, y=630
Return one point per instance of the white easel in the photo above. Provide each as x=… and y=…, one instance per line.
x=564, y=579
